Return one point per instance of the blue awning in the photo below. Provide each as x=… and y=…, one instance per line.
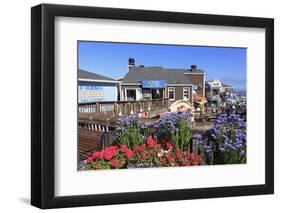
x=157, y=84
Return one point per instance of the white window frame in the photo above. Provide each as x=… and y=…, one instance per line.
x=183, y=90
x=174, y=91
x=126, y=91
x=133, y=88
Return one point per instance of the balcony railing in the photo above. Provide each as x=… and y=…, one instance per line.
x=123, y=107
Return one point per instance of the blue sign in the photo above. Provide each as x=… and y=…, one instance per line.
x=153, y=84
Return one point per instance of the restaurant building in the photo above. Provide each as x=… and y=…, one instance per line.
x=154, y=82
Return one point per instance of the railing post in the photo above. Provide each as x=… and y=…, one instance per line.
x=119, y=109
x=115, y=110
x=134, y=107
x=97, y=108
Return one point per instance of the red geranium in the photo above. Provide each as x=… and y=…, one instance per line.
x=140, y=148
x=89, y=159
x=96, y=155
x=123, y=148
x=114, y=164
x=150, y=142
x=169, y=145
x=112, y=148
x=185, y=163
x=109, y=153
x=129, y=153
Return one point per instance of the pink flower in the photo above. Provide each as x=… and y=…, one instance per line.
x=123, y=148
x=114, y=164
x=129, y=153
x=150, y=142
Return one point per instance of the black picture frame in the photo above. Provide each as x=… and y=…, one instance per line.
x=43, y=105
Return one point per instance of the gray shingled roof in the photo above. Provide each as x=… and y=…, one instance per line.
x=225, y=85
x=194, y=71
x=83, y=74
x=171, y=76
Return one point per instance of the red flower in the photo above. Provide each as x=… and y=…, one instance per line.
x=101, y=154
x=187, y=153
x=89, y=159
x=112, y=148
x=186, y=163
x=196, y=159
x=129, y=153
x=170, y=159
x=123, y=148
x=150, y=142
x=144, y=156
x=109, y=153
x=140, y=148
x=114, y=164
x=96, y=155
x=169, y=145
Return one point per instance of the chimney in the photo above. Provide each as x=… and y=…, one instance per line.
x=131, y=62
x=193, y=68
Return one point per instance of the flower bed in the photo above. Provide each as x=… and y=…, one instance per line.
x=150, y=154
x=135, y=147
x=225, y=143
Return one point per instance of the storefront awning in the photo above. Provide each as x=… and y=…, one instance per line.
x=156, y=84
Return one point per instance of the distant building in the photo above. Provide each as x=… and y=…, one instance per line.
x=226, y=88
x=96, y=88
x=153, y=82
x=215, y=87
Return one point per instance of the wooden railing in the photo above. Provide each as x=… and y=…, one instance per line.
x=123, y=107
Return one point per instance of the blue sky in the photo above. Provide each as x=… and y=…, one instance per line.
x=111, y=59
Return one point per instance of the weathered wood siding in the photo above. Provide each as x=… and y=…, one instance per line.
x=197, y=79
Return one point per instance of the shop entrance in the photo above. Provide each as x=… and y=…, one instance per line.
x=157, y=93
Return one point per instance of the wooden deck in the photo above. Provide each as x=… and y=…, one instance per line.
x=89, y=140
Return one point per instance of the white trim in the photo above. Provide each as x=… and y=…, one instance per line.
x=96, y=80
x=188, y=93
x=174, y=93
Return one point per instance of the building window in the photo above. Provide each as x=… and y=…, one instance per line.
x=171, y=93
x=131, y=95
x=186, y=93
